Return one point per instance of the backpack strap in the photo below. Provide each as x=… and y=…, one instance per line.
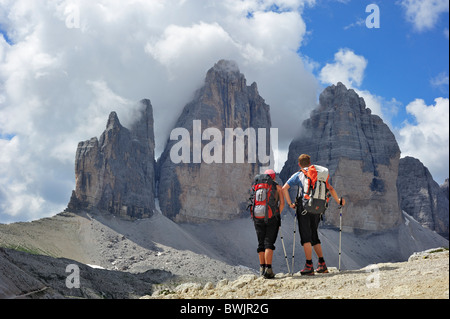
x=306, y=187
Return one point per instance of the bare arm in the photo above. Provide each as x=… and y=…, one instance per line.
x=281, y=197
x=335, y=195
x=286, y=195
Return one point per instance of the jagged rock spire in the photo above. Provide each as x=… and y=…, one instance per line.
x=116, y=172
x=361, y=153
x=199, y=191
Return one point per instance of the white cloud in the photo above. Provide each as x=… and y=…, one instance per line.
x=440, y=82
x=74, y=61
x=428, y=139
x=360, y=22
x=424, y=14
x=347, y=68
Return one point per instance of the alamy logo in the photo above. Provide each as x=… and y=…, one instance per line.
x=373, y=279
x=73, y=279
x=373, y=19
x=258, y=145
x=72, y=13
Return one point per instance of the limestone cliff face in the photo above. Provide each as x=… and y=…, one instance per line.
x=116, y=173
x=208, y=186
x=421, y=197
x=361, y=153
x=445, y=189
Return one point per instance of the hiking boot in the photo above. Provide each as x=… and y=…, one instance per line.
x=322, y=269
x=262, y=270
x=308, y=270
x=269, y=273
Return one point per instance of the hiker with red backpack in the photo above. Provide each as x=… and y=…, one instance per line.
x=266, y=204
x=311, y=202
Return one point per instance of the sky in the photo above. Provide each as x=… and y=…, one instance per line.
x=66, y=64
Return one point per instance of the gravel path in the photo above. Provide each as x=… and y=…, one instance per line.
x=424, y=276
x=215, y=260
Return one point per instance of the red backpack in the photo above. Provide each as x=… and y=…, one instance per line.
x=264, y=198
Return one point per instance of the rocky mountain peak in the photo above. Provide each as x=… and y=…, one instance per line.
x=444, y=188
x=225, y=75
x=142, y=129
x=226, y=67
x=113, y=121
x=421, y=197
x=338, y=95
x=116, y=173
x=361, y=153
x=198, y=191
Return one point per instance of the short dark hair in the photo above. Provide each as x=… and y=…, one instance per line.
x=304, y=160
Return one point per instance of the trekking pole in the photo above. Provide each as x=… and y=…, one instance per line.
x=284, y=249
x=293, y=246
x=340, y=231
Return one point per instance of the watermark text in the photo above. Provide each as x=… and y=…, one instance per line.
x=259, y=143
x=73, y=279
x=373, y=19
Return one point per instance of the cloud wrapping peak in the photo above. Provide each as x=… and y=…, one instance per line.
x=68, y=63
x=427, y=139
x=347, y=68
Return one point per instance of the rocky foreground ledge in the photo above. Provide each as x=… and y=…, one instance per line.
x=424, y=276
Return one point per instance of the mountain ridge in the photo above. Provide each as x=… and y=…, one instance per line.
x=360, y=152
x=155, y=255
x=113, y=219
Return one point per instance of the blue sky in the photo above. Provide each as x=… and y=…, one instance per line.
x=402, y=62
x=66, y=64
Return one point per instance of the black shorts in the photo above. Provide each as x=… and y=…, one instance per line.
x=266, y=233
x=308, y=225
